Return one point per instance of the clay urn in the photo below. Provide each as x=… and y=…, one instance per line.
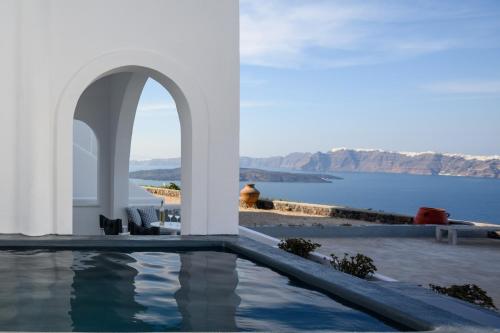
x=249, y=195
x=427, y=215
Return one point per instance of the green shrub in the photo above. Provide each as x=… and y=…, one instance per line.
x=171, y=186
x=467, y=292
x=298, y=246
x=359, y=265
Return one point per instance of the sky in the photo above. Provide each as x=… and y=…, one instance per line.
x=390, y=75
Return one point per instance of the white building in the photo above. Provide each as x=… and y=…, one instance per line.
x=88, y=60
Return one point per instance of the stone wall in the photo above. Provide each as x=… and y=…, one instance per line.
x=310, y=209
x=336, y=211
x=366, y=231
x=164, y=192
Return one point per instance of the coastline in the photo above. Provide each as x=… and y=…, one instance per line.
x=465, y=198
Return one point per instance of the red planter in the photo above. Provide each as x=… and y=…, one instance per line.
x=428, y=215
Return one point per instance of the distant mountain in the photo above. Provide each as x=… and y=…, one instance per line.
x=161, y=163
x=247, y=175
x=157, y=174
x=365, y=160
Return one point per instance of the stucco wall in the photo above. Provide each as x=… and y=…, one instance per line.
x=53, y=49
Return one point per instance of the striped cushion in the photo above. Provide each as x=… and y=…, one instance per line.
x=133, y=216
x=148, y=215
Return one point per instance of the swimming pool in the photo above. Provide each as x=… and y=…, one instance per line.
x=156, y=290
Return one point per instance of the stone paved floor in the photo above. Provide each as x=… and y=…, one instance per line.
x=259, y=217
x=423, y=260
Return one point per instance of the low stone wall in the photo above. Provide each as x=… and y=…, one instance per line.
x=366, y=231
x=336, y=211
x=303, y=208
x=164, y=192
x=309, y=209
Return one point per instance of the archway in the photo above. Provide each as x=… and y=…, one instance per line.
x=108, y=106
x=124, y=83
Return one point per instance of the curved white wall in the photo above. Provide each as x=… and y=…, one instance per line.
x=85, y=163
x=52, y=50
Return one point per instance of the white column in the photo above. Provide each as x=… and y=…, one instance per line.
x=35, y=125
x=9, y=41
x=193, y=116
x=124, y=127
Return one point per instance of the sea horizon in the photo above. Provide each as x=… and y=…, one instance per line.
x=465, y=198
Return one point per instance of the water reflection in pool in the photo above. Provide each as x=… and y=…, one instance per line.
x=45, y=290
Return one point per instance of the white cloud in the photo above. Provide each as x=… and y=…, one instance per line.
x=465, y=87
x=329, y=33
x=149, y=107
x=278, y=33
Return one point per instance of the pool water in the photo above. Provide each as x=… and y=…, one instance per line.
x=69, y=290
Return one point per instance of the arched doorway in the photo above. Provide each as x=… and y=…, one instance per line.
x=124, y=84
x=108, y=106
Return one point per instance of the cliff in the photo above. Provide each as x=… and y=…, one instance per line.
x=352, y=160
x=359, y=160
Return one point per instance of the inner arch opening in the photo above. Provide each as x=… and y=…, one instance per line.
x=113, y=108
x=155, y=154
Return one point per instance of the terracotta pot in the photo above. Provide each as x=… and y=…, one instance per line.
x=249, y=195
x=428, y=215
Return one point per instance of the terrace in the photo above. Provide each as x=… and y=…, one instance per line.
x=402, y=252
x=72, y=90
x=422, y=260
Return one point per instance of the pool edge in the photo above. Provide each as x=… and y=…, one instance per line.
x=425, y=312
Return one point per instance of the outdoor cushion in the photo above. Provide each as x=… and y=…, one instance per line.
x=148, y=215
x=134, y=216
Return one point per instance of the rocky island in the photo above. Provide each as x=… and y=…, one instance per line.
x=246, y=175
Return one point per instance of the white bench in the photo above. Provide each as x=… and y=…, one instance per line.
x=453, y=231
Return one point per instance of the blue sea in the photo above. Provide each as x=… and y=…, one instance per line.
x=465, y=198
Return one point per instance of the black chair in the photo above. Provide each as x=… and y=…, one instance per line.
x=110, y=227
